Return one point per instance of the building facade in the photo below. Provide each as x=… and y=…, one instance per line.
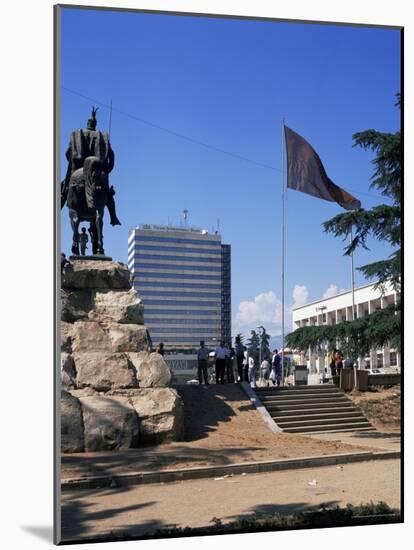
x=338, y=308
x=226, y=293
x=179, y=275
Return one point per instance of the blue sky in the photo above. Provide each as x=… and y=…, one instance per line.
x=228, y=84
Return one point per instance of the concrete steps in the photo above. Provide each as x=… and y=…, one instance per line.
x=309, y=407
x=351, y=427
x=277, y=402
x=315, y=409
x=288, y=417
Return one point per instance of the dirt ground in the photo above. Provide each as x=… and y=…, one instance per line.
x=382, y=406
x=141, y=510
x=223, y=416
x=221, y=427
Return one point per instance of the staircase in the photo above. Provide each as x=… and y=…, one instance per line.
x=316, y=409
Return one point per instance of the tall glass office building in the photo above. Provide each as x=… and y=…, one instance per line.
x=183, y=278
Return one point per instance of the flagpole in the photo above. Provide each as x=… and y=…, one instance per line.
x=282, y=263
x=353, y=297
x=352, y=277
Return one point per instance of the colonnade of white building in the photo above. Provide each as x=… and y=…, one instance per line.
x=338, y=308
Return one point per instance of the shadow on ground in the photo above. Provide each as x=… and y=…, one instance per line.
x=206, y=406
x=279, y=509
x=81, y=520
x=149, y=459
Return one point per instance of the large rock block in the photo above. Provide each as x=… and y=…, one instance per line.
x=161, y=415
x=103, y=371
x=152, y=371
x=76, y=304
x=67, y=371
x=89, y=336
x=111, y=423
x=93, y=336
x=129, y=337
x=72, y=427
x=96, y=274
x=118, y=306
x=85, y=392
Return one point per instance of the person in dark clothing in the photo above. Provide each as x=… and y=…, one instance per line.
x=220, y=354
x=339, y=358
x=160, y=349
x=239, y=351
x=276, y=368
x=202, y=359
x=332, y=362
x=229, y=365
x=83, y=240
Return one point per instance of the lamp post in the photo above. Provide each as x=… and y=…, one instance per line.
x=260, y=328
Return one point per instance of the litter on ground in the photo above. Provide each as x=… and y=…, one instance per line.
x=313, y=482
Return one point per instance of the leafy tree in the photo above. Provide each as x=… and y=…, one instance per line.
x=382, y=222
x=253, y=346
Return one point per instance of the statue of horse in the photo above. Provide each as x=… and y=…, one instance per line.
x=87, y=195
x=86, y=186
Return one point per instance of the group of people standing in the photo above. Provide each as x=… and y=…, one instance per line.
x=237, y=365
x=336, y=362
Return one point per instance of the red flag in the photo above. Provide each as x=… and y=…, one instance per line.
x=305, y=172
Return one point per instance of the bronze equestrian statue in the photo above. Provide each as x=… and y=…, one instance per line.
x=86, y=188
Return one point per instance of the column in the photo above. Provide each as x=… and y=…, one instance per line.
x=336, y=322
x=312, y=357
x=320, y=361
x=386, y=356
x=373, y=352
x=360, y=313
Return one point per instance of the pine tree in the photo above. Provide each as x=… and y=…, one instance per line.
x=264, y=344
x=382, y=222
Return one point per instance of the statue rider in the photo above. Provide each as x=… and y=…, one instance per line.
x=90, y=142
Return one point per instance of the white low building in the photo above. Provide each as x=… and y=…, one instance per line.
x=338, y=308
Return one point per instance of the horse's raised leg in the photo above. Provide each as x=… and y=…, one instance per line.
x=99, y=231
x=74, y=221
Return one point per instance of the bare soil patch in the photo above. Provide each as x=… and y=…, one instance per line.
x=221, y=427
x=382, y=406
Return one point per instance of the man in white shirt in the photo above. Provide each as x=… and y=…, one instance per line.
x=252, y=374
x=265, y=372
x=220, y=355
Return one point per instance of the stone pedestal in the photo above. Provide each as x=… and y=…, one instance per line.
x=97, y=257
x=347, y=378
x=362, y=380
x=115, y=390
